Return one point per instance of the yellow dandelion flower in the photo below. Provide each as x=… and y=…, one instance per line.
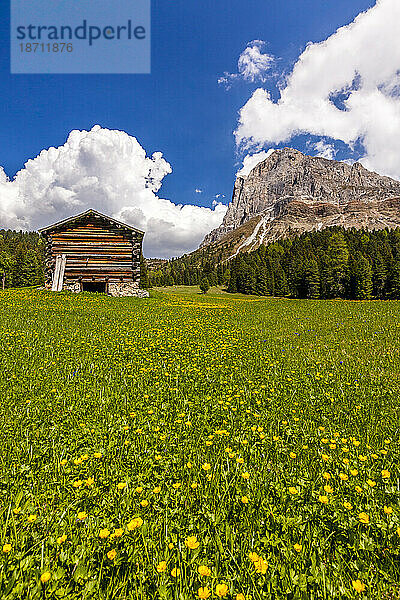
x=203, y=593
x=363, y=518
x=358, y=586
x=253, y=556
x=104, y=533
x=221, y=589
x=111, y=554
x=161, y=567
x=45, y=577
x=261, y=566
x=61, y=539
x=204, y=571
x=134, y=524
x=191, y=542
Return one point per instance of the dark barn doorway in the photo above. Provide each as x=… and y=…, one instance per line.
x=94, y=286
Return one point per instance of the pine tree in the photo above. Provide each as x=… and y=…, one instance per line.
x=312, y=279
x=361, y=277
x=338, y=257
x=232, y=283
x=20, y=272
x=281, y=285
x=379, y=276
x=6, y=267
x=144, y=278
x=393, y=290
x=246, y=281
x=204, y=285
x=262, y=287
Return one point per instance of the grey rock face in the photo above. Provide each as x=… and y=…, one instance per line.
x=303, y=193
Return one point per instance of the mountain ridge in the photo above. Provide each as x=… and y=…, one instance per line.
x=291, y=193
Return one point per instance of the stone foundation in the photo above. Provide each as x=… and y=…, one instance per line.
x=72, y=286
x=126, y=289
x=115, y=288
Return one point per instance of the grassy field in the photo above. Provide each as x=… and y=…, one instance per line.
x=188, y=446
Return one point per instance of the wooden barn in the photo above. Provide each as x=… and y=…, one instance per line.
x=94, y=253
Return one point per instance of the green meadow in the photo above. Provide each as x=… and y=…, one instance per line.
x=198, y=446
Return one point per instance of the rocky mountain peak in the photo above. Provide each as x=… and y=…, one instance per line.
x=291, y=191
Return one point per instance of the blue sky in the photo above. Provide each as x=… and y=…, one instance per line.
x=339, y=98
x=179, y=109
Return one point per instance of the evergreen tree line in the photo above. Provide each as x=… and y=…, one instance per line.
x=191, y=269
x=333, y=263
x=21, y=258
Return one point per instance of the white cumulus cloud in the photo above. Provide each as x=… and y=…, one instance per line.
x=325, y=150
x=251, y=160
x=344, y=88
x=253, y=64
x=110, y=172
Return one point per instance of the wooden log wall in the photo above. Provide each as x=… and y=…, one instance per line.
x=95, y=251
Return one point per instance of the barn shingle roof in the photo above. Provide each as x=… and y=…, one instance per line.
x=87, y=213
